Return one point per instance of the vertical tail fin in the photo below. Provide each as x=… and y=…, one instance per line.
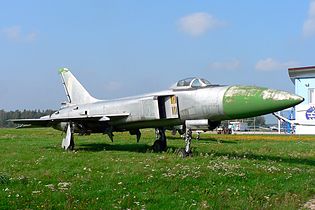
x=76, y=93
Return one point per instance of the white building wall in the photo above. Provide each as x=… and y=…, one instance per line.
x=305, y=112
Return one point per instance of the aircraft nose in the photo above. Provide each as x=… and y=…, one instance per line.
x=249, y=101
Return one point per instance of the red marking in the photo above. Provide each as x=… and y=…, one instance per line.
x=302, y=68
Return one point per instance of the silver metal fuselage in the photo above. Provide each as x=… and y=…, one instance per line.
x=144, y=111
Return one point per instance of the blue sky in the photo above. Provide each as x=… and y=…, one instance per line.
x=123, y=48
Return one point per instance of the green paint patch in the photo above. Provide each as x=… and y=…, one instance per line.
x=249, y=101
x=63, y=70
x=226, y=172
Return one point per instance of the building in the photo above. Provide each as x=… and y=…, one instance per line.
x=238, y=126
x=304, y=80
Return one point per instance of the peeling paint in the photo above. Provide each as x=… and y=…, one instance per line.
x=242, y=91
x=266, y=94
x=245, y=101
x=278, y=95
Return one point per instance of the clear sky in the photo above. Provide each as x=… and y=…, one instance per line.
x=123, y=48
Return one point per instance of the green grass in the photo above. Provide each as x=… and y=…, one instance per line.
x=226, y=172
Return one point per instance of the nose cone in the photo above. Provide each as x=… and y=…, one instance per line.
x=248, y=101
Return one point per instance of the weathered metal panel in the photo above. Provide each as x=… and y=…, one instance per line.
x=150, y=109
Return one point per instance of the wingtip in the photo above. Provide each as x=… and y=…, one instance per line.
x=63, y=70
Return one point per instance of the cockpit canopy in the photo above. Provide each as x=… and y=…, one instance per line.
x=191, y=82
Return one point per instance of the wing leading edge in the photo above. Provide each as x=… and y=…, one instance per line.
x=47, y=121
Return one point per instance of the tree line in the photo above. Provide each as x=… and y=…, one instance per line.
x=17, y=114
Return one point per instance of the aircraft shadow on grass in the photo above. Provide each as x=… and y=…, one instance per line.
x=144, y=148
x=139, y=148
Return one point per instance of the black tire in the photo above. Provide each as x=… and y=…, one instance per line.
x=71, y=146
x=181, y=131
x=182, y=153
x=159, y=146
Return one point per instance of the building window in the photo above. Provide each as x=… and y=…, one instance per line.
x=311, y=95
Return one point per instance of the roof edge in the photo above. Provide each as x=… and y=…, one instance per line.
x=301, y=68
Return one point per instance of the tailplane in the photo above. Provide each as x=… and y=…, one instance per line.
x=76, y=93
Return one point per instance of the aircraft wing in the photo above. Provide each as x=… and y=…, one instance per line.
x=48, y=121
x=31, y=123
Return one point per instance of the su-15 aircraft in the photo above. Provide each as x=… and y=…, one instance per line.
x=188, y=99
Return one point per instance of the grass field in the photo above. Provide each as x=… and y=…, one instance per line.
x=226, y=172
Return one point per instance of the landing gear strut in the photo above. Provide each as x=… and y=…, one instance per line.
x=68, y=141
x=188, y=136
x=160, y=142
x=198, y=135
x=137, y=133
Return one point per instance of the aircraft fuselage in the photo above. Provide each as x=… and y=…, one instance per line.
x=174, y=107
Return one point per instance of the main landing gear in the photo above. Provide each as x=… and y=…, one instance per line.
x=68, y=141
x=160, y=142
x=187, y=151
x=158, y=146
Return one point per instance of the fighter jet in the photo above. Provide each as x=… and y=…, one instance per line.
x=188, y=99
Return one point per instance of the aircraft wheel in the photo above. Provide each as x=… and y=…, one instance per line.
x=159, y=146
x=182, y=153
x=71, y=146
x=181, y=131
